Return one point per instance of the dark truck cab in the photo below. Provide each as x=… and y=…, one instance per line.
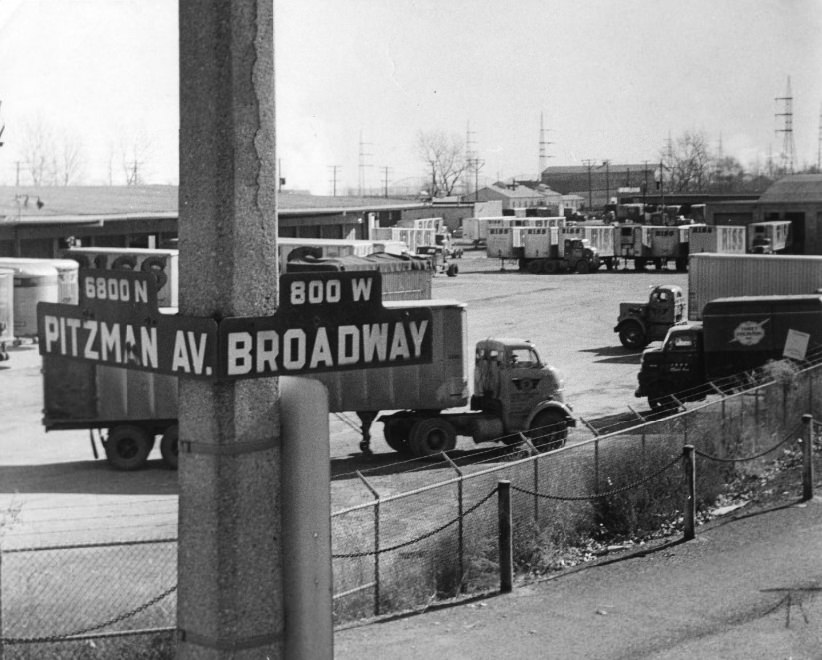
x=736, y=335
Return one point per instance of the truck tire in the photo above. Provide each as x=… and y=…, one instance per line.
x=169, y=446
x=534, y=267
x=639, y=265
x=663, y=404
x=432, y=435
x=681, y=265
x=128, y=447
x=583, y=267
x=396, y=431
x=452, y=271
x=550, y=267
x=548, y=430
x=632, y=336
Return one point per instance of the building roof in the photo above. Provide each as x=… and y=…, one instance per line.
x=794, y=188
x=518, y=191
x=138, y=201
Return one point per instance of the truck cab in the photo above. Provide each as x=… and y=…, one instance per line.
x=676, y=368
x=580, y=255
x=513, y=382
x=640, y=323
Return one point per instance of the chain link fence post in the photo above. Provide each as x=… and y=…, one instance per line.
x=506, y=554
x=460, y=523
x=376, y=543
x=2, y=636
x=689, y=464
x=807, y=458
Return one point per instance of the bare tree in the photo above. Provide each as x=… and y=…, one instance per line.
x=135, y=150
x=70, y=165
x=688, y=162
x=444, y=156
x=37, y=149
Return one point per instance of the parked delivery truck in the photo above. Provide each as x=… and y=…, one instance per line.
x=735, y=336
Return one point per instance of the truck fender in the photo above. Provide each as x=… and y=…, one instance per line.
x=552, y=405
x=637, y=320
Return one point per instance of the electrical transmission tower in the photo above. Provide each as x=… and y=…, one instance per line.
x=787, y=130
x=470, y=158
x=543, y=148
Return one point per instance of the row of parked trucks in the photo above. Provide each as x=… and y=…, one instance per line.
x=539, y=245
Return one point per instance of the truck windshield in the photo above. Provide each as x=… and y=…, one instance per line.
x=680, y=342
x=524, y=358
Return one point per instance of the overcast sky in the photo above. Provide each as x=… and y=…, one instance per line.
x=612, y=79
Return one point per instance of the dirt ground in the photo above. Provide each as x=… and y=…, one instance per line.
x=569, y=317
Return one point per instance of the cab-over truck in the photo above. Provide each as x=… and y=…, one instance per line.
x=515, y=392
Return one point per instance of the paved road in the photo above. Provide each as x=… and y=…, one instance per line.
x=744, y=589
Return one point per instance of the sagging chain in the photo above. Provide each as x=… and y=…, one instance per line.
x=83, y=631
x=437, y=530
x=718, y=459
x=615, y=491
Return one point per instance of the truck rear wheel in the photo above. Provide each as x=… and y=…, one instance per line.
x=548, y=430
x=631, y=335
x=534, y=267
x=395, y=431
x=168, y=446
x=639, y=264
x=430, y=436
x=550, y=266
x=128, y=447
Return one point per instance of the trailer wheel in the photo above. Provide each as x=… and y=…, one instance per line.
x=169, y=446
x=639, y=265
x=431, y=436
x=632, y=336
x=395, y=431
x=128, y=446
x=534, y=267
x=548, y=430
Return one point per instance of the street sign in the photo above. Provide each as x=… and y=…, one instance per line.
x=117, y=323
x=326, y=322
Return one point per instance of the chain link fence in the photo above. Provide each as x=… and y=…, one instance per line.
x=403, y=552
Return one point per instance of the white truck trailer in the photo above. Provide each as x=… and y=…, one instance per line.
x=712, y=276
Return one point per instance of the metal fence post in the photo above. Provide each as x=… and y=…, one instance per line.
x=460, y=522
x=1, y=604
x=596, y=466
x=807, y=458
x=506, y=554
x=689, y=463
x=376, y=543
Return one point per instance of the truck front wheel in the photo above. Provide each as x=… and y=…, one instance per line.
x=128, y=447
x=432, y=436
x=168, y=446
x=583, y=267
x=548, y=430
x=632, y=336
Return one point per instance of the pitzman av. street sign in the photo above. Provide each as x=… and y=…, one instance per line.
x=326, y=322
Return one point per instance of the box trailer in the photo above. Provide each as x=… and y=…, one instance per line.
x=712, y=276
x=723, y=239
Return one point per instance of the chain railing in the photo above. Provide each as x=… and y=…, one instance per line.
x=395, y=552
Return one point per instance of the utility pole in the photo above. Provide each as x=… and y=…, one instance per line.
x=362, y=166
x=607, y=165
x=334, y=169
x=589, y=163
x=385, y=171
x=819, y=145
